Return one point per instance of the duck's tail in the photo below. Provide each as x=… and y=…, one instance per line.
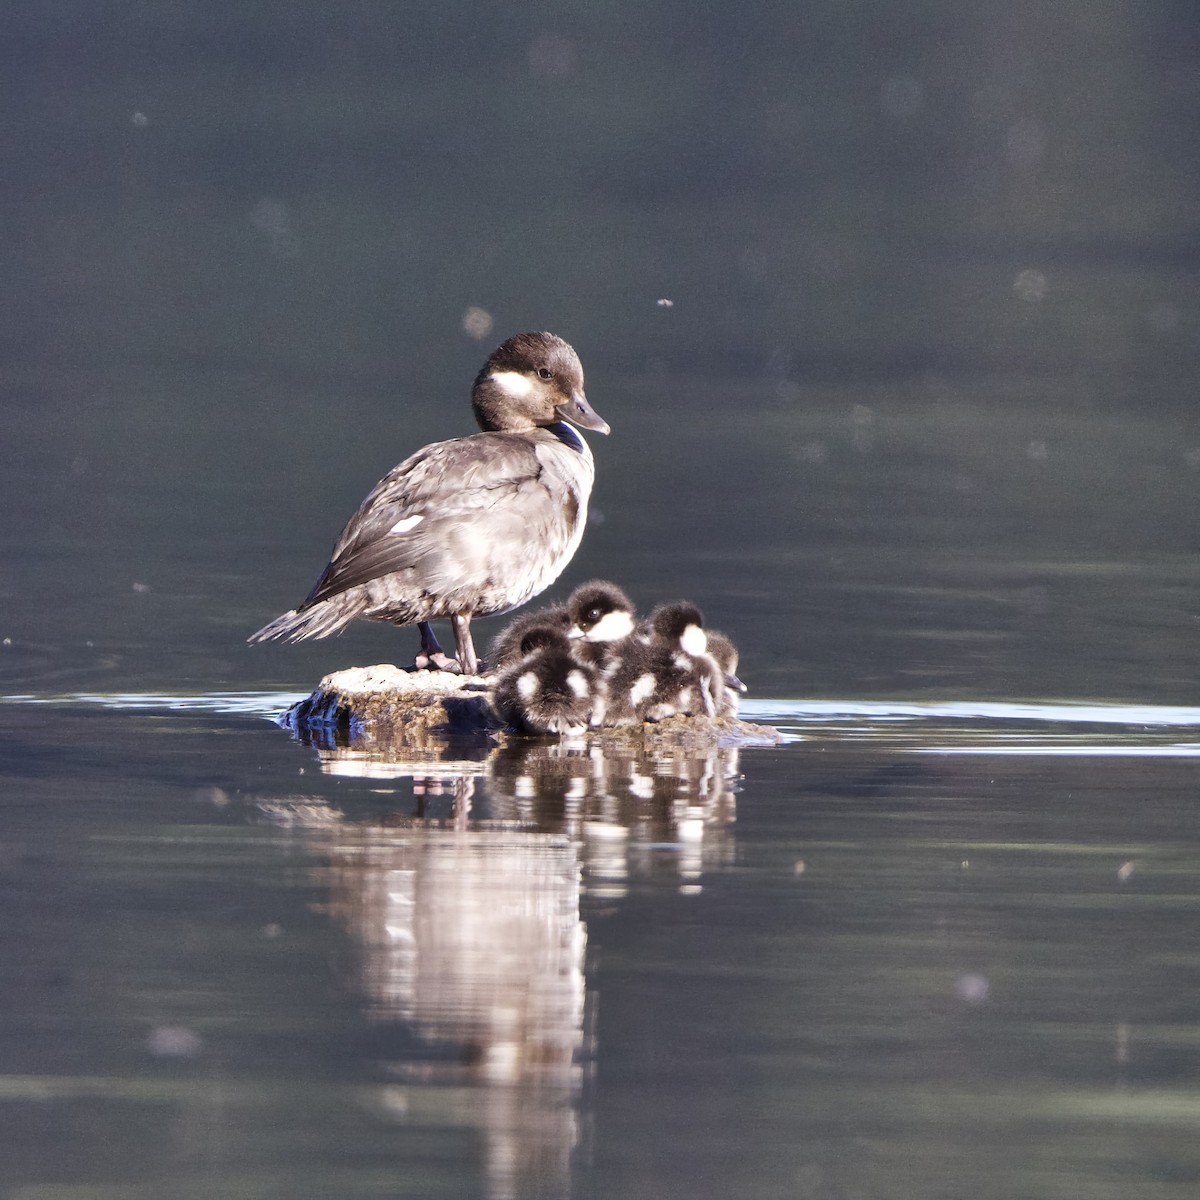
x=317, y=622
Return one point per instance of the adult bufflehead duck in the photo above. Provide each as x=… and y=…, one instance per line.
x=477, y=525
x=548, y=690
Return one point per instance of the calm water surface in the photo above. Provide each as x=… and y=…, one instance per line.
x=894, y=311
x=916, y=950
x=938, y=943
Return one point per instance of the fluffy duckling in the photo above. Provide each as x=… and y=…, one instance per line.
x=601, y=618
x=505, y=650
x=724, y=653
x=547, y=690
x=671, y=673
x=680, y=626
x=476, y=525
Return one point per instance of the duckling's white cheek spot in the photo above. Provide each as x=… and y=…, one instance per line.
x=407, y=523
x=577, y=683
x=694, y=640
x=512, y=383
x=642, y=689
x=612, y=627
x=527, y=686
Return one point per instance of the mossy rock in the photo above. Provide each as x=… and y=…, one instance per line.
x=416, y=709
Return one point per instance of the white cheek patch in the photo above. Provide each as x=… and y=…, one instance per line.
x=612, y=627
x=643, y=689
x=406, y=523
x=512, y=383
x=527, y=686
x=694, y=640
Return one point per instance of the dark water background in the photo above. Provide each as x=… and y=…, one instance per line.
x=917, y=427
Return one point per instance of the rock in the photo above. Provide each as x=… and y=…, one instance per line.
x=421, y=709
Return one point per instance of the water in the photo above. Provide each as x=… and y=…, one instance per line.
x=916, y=949
x=894, y=320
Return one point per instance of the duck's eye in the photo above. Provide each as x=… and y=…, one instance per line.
x=592, y=615
x=545, y=373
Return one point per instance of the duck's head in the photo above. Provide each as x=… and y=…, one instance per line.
x=724, y=654
x=532, y=380
x=545, y=636
x=600, y=612
x=681, y=625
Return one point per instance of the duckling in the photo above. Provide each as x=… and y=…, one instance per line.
x=505, y=649
x=601, y=617
x=669, y=674
x=475, y=525
x=547, y=690
x=724, y=653
x=680, y=626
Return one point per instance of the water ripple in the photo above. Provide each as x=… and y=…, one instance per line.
x=928, y=727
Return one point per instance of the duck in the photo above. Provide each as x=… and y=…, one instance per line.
x=724, y=653
x=505, y=649
x=665, y=669
x=679, y=627
x=474, y=526
x=547, y=690
x=601, y=617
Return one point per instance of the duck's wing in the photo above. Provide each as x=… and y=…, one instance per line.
x=411, y=513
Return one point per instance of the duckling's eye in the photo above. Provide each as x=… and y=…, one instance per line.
x=592, y=615
x=545, y=373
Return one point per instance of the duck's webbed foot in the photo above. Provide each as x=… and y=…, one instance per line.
x=431, y=656
x=436, y=662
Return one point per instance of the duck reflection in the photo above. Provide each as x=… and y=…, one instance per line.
x=468, y=909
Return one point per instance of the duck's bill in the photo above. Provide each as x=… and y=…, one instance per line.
x=732, y=681
x=579, y=412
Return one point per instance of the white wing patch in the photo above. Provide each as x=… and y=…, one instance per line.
x=512, y=382
x=577, y=683
x=527, y=686
x=406, y=523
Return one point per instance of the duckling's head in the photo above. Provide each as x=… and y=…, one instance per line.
x=680, y=624
x=532, y=380
x=725, y=655
x=600, y=612
x=545, y=636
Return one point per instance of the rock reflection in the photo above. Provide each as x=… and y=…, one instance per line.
x=471, y=926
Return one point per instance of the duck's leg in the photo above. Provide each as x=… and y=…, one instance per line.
x=468, y=664
x=431, y=655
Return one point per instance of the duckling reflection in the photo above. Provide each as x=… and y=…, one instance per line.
x=635, y=813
